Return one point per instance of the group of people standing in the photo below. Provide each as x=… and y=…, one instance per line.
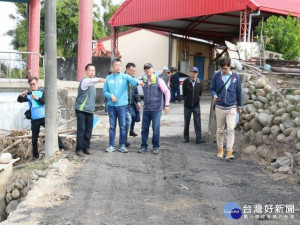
x=124, y=104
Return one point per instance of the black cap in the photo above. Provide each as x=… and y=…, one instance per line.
x=147, y=65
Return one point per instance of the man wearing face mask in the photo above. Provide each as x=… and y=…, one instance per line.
x=35, y=99
x=192, y=88
x=226, y=91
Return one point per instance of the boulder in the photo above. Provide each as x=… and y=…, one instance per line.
x=266, y=106
x=263, y=119
x=262, y=151
x=250, y=150
x=281, y=127
x=288, y=131
x=290, y=98
x=249, y=101
x=276, y=120
x=262, y=99
x=290, y=108
x=260, y=110
x=273, y=109
x=285, y=169
x=298, y=133
x=253, y=97
x=266, y=139
x=251, y=108
x=297, y=146
x=260, y=92
x=11, y=206
x=297, y=99
x=281, y=138
x=275, y=130
x=298, y=107
x=294, y=133
x=280, y=111
x=297, y=122
x=269, y=96
x=296, y=140
x=282, y=104
x=246, y=126
x=295, y=115
x=259, y=138
x=266, y=130
x=248, y=117
x=297, y=92
x=255, y=126
x=289, y=140
x=279, y=81
x=258, y=104
x=268, y=88
x=15, y=194
x=8, y=198
x=261, y=83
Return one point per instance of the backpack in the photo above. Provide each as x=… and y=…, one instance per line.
x=27, y=113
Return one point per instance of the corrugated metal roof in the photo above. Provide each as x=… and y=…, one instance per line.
x=146, y=11
x=141, y=11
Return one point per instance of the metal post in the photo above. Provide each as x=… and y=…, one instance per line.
x=51, y=141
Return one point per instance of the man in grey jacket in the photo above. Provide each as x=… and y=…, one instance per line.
x=84, y=108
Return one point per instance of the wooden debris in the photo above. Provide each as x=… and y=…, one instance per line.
x=182, y=186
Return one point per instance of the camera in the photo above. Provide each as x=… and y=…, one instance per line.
x=29, y=92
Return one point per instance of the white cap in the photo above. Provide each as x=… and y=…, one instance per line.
x=165, y=68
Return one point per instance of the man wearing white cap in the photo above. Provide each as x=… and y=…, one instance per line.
x=165, y=75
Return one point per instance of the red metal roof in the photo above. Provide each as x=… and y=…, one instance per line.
x=145, y=11
x=214, y=20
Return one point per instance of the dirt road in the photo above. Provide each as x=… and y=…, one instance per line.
x=184, y=184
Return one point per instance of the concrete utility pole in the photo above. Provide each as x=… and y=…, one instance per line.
x=51, y=141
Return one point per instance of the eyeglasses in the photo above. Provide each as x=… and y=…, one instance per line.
x=32, y=84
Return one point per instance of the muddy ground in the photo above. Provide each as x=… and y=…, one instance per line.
x=184, y=184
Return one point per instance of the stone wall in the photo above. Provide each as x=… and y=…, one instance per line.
x=270, y=122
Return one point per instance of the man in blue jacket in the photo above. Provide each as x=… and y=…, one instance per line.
x=35, y=99
x=115, y=90
x=226, y=91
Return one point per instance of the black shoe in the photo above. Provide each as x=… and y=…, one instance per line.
x=79, y=153
x=185, y=140
x=132, y=133
x=87, y=151
x=199, y=141
x=127, y=144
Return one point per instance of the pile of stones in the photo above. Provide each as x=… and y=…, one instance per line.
x=271, y=121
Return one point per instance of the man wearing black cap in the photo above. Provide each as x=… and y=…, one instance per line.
x=192, y=88
x=154, y=90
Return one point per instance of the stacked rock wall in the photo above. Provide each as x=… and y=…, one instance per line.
x=271, y=117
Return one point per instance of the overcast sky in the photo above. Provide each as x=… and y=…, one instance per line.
x=7, y=8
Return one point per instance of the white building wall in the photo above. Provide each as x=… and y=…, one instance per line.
x=140, y=47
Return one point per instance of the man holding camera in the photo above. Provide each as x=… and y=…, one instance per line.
x=35, y=99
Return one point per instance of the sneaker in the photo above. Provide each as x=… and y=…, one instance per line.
x=155, y=151
x=110, y=149
x=132, y=133
x=229, y=154
x=220, y=153
x=142, y=150
x=123, y=149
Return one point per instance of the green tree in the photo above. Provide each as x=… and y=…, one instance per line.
x=282, y=35
x=67, y=27
x=109, y=10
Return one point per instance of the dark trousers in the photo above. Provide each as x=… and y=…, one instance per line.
x=197, y=122
x=84, y=130
x=173, y=92
x=35, y=129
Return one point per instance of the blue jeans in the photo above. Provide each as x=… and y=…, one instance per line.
x=117, y=112
x=128, y=121
x=173, y=92
x=149, y=116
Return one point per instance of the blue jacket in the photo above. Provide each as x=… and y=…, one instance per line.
x=230, y=97
x=117, y=85
x=36, y=112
